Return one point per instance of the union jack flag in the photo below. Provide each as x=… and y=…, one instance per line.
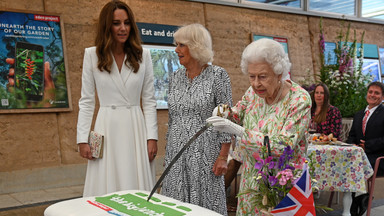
x=299, y=201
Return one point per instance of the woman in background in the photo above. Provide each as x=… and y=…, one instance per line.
x=194, y=91
x=121, y=71
x=325, y=117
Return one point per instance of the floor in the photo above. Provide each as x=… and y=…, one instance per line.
x=33, y=203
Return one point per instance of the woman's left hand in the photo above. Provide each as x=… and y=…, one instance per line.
x=152, y=149
x=220, y=167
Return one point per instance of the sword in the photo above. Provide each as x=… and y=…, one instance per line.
x=266, y=143
x=198, y=133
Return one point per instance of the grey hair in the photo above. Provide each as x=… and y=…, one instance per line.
x=266, y=50
x=198, y=40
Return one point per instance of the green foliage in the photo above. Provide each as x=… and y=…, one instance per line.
x=15, y=100
x=29, y=77
x=346, y=82
x=163, y=62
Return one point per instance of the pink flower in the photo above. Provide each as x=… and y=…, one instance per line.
x=284, y=176
x=289, y=126
x=256, y=155
x=261, y=123
x=283, y=180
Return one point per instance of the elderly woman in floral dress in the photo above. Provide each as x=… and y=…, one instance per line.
x=273, y=106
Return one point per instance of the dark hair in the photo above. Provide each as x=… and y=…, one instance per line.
x=104, y=40
x=378, y=84
x=322, y=116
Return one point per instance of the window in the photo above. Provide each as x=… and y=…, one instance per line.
x=289, y=3
x=373, y=9
x=358, y=10
x=346, y=7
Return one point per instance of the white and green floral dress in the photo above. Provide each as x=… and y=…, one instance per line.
x=284, y=122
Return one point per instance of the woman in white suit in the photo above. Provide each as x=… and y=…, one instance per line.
x=121, y=71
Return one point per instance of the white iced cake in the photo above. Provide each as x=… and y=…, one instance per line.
x=130, y=202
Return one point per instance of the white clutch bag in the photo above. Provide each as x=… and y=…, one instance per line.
x=96, y=142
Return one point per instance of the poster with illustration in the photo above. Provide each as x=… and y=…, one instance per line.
x=372, y=67
x=32, y=66
x=329, y=53
x=165, y=61
x=381, y=55
x=282, y=40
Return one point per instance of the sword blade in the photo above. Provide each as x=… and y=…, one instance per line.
x=178, y=155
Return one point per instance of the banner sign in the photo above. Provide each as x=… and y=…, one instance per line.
x=32, y=67
x=156, y=34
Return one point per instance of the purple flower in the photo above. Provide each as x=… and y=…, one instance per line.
x=285, y=157
x=271, y=165
x=268, y=161
x=272, y=180
x=259, y=165
x=322, y=43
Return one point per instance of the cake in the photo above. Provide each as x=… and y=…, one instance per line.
x=131, y=202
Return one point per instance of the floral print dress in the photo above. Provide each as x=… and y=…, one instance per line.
x=332, y=123
x=285, y=122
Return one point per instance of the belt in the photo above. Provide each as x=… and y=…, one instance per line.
x=119, y=106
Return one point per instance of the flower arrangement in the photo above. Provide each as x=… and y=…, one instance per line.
x=346, y=82
x=274, y=177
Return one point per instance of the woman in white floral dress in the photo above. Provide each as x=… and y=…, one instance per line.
x=273, y=106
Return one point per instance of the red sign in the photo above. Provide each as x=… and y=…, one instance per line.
x=47, y=18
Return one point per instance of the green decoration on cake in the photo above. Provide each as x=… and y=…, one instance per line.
x=141, y=194
x=155, y=199
x=169, y=203
x=184, y=208
x=134, y=205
